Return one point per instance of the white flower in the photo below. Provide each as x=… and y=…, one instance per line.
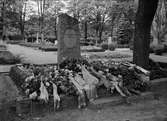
x=47, y=84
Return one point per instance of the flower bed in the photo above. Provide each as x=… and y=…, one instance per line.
x=91, y=49
x=44, y=47
x=80, y=79
x=157, y=70
x=108, y=56
x=34, y=45
x=48, y=48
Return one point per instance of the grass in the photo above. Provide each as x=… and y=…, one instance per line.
x=91, y=49
x=109, y=56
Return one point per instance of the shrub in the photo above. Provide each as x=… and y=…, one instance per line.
x=112, y=46
x=8, y=58
x=18, y=75
x=2, y=47
x=13, y=41
x=15, y=37
x=51, y=48
x=157, y=49
x=104, y=46
x=123, y=46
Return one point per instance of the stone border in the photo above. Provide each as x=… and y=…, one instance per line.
x=118, y=100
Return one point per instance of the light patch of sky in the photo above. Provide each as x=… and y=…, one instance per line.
x=32, y=8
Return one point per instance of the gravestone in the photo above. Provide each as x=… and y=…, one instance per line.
x=109, y=40
x=68, y=38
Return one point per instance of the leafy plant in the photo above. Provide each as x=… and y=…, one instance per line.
x=7, y=57
x=112, y=46
x=104, y=46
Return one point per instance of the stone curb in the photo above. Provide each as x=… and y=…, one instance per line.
x=158, y=81
x=118, y=100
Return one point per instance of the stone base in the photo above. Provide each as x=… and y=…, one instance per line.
x=117, y=100
x=36, y=107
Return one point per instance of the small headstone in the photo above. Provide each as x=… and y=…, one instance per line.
x=109, y=40
x=55, y=42
x=37, y=39
x=68, y=38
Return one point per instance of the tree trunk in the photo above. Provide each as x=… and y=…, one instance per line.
x=144, y=18
x=21, y=25
x=56, y=27
x=22, y=19
x=111, y=31
x=37, y=38
x=96, y=35
x=1, y=27
x=86, y=26
x=2, y=24
x=100, y=34
x=101, y=29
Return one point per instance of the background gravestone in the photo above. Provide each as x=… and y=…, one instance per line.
x=68, y=38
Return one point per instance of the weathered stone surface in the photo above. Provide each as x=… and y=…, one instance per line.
x=118, y=100
x=68, y=38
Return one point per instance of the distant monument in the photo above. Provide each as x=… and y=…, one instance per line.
x=109, y=40
x=68, y=38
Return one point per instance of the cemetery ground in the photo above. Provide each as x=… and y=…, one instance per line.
x=150, y=110
x=144, y=110
x=36, y=56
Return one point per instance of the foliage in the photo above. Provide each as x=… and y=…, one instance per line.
x=91, y=49
x=124, y=32
x=159, y=25
x=126, y=78
x=8, y=58
x=104, y=46
x=98, y=19
x=158, y=49
x=112, y=46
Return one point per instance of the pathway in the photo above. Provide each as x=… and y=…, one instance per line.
x=34, y=56
x=158, y=58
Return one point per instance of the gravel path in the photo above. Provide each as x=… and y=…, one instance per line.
x=34, y=56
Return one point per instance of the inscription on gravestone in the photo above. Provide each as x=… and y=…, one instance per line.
x=68, y=38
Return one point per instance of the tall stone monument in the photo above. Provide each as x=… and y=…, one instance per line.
x=68, y=38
